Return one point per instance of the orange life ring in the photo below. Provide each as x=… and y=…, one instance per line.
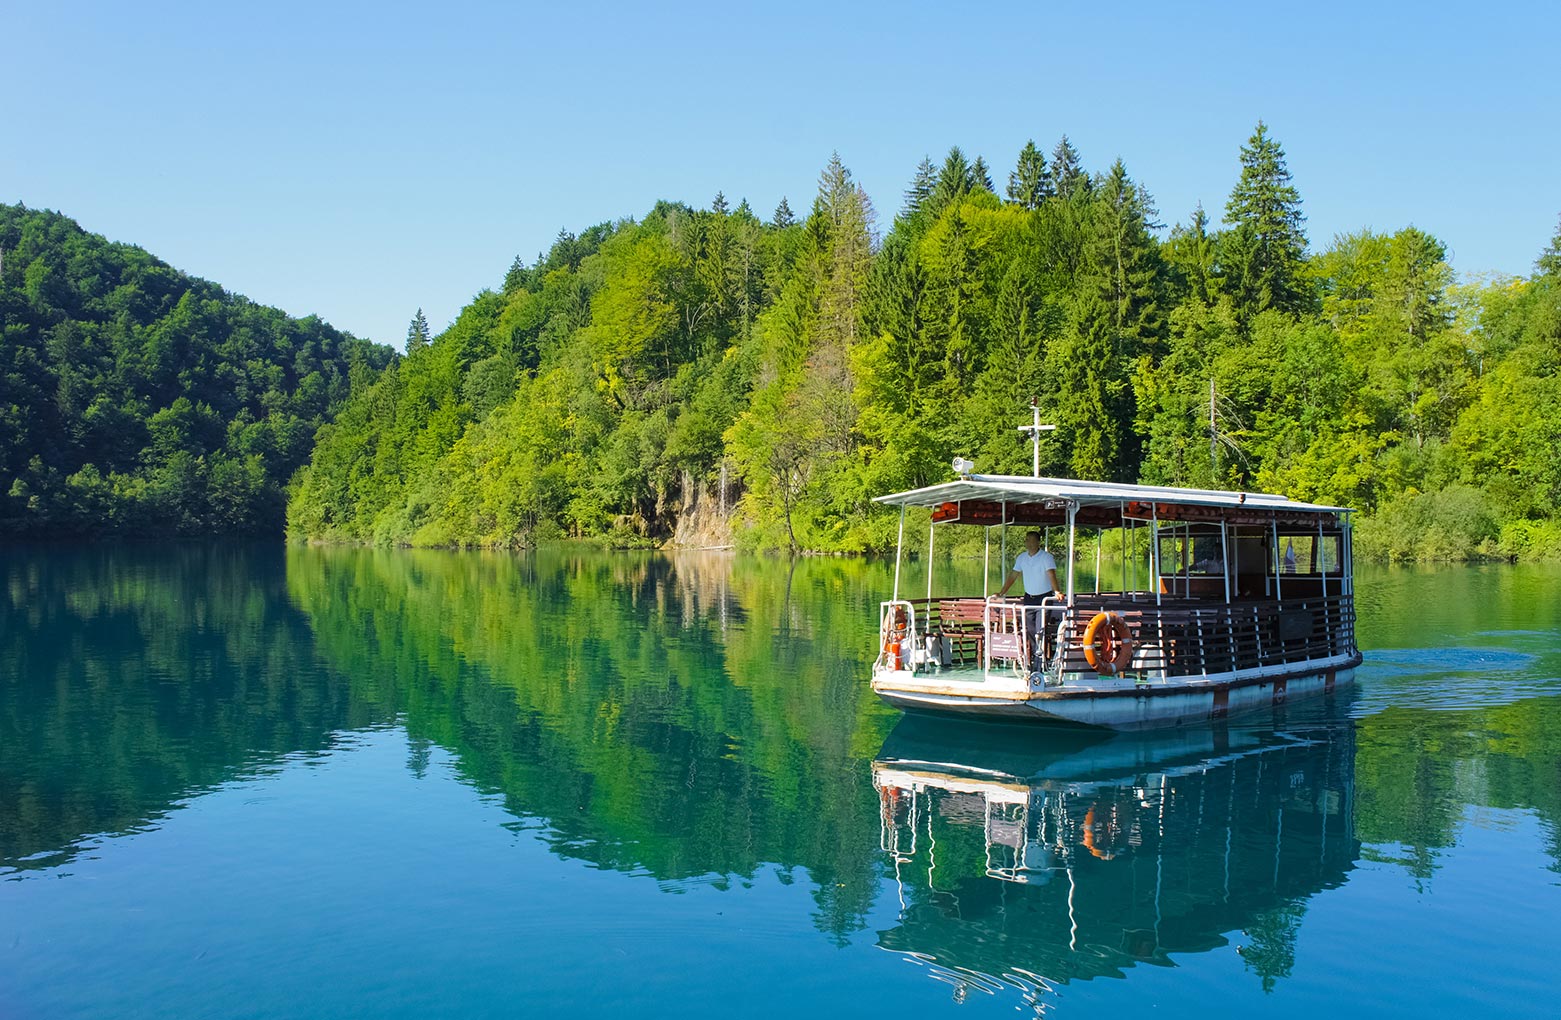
x=1108, y=644
x=895, y=631
x=1090, y=828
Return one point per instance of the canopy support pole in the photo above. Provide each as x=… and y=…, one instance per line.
x=1274, y=527
x=1073, y=509
x=1154, y=550
x=1322, y=561
x=1002, y=541
x=1100, y=540
x=986, y=564
x=931, y=531
x=1225, y=561
x=1122, y=527
x=899, y=545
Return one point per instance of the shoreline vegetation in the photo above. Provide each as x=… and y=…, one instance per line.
x=707, y=377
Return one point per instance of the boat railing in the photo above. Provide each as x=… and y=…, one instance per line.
x=1191, y=637
x=897, y=633
x=1179, y=638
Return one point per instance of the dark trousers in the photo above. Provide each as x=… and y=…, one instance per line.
x=1035, y=627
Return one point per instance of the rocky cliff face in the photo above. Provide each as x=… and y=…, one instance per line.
x=704, y=520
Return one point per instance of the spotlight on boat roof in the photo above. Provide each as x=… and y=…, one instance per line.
x=963, y=466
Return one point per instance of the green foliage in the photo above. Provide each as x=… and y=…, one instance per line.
x=137, y=400
x=1265, y=248
x=417, y=332
x=700, y=376
x=1031, y=183
x=1448, y=525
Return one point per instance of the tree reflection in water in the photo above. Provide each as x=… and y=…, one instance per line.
x=706, y=719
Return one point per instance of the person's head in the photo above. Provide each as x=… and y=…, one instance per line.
x=1032, y=541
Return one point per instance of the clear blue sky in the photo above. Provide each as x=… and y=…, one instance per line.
x=361, y=160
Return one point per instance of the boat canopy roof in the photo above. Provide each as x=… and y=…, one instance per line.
x=1138, y=500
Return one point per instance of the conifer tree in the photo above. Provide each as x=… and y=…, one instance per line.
x=718, y=206
x=953, y=180
x=417, y=332
x=1549, y=261
x=1068, y=174
x=515, y=278
x=980, y=176
x=1190, y=253
x=783, y=217
x=1127, y=259
x=1264, y=253
x=1094, y=415
x=922, y=186
x=1030, y=183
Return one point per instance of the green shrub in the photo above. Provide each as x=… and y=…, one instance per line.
x=1453, y=524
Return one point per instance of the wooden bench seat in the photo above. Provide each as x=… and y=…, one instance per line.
x=963, y=622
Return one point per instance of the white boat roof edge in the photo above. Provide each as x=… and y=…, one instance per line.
x=1024, y=489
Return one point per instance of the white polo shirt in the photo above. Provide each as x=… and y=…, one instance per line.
x=1033, y=568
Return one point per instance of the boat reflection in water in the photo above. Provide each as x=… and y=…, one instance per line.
x=1028, y=863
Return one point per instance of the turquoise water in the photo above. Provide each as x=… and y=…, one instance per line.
x=263, y=782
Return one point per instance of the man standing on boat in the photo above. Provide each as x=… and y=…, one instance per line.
x=1039, y=571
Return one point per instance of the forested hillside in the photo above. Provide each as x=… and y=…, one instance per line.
x=704, y=369
x=137, y=400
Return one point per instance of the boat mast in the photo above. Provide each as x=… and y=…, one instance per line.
x=1035, y=428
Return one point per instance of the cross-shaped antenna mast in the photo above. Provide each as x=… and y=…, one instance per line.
x=1035, y=429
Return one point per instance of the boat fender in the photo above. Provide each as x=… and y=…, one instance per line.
x=1108, y=644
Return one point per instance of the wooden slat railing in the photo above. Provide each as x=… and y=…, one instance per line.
x=1183, y=637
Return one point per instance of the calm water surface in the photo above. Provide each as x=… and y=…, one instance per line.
x=257, y=782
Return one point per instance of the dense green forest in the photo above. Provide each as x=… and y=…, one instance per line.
x=137, y=400
x=705, y=375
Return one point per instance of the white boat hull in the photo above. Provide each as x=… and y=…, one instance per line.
x=1119, y=705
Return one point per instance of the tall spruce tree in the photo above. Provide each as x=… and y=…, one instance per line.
x=1190, y=253
x=1264, y=251
x=1126, y=259
x=1095, y=414
x=516, y=277
x=1068, y=174
x=417, y=332
x=922, y=186
x=981, y=175
x=783, y=216
x=953, y=180
x=1030, y=184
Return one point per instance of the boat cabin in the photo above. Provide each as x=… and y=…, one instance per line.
x=1210, y=591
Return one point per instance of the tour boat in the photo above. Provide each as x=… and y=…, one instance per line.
x=1246, y=601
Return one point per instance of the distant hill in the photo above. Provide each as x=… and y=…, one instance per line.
x=135, y=399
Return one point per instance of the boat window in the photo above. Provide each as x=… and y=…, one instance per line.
x=1299, y=554
x=1191, y=551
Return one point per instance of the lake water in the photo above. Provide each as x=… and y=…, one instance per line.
x=249, y=781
